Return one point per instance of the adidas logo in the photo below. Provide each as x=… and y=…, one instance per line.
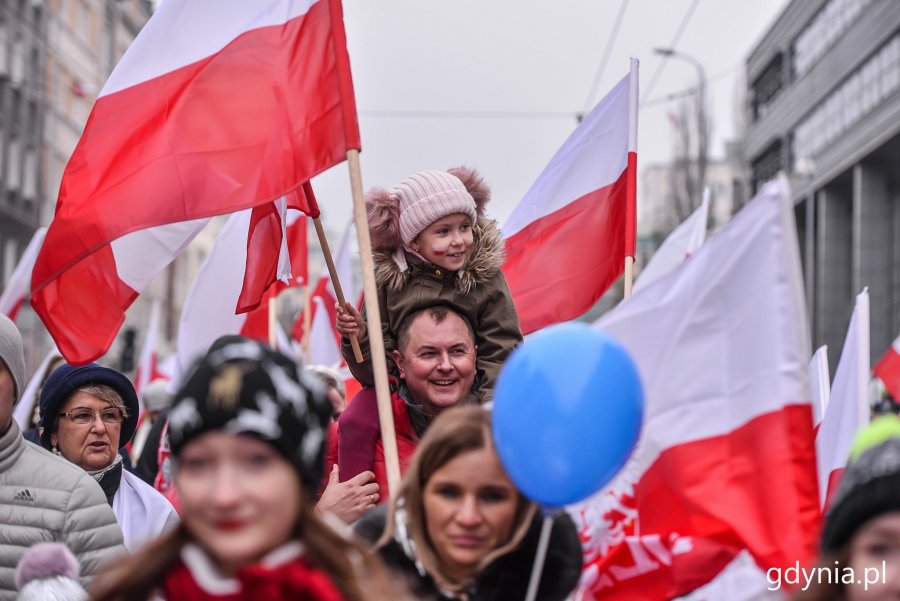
x=24, y=495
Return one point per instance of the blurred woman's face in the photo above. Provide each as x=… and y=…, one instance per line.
x=470, y=507
x=240, y=498
x=88, y=431
x=875, y=559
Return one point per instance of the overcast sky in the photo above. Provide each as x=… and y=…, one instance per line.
x=418, y=64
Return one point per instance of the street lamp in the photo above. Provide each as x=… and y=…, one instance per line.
x=702, y=130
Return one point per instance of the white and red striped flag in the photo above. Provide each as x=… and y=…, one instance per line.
x=217, y=106
x=567, y=239
x=888, y=369
x=684, y=241
x=847, y=411
x=726, y=459
x=210, y=308
x=324, y=290
x=18, y=287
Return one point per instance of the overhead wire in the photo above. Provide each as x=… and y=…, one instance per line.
x=675, y=39
x=601, y=68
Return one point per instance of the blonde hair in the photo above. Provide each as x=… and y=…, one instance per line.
x=455, y=431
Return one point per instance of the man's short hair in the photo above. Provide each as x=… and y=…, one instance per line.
x=438, y=314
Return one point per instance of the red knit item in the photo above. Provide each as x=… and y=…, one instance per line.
x=296, y=580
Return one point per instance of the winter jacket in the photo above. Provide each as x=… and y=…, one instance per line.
x=44, y=498
x=505, y=578
x=478, y=291
x=405, y=434
x=143, y=512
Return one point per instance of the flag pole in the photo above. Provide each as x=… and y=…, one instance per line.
x=332, y=271
x=307, y=320
x=373, y=316
x=273, y=339
x=631, y=178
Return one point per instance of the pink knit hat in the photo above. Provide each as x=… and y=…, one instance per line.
x=428, y=196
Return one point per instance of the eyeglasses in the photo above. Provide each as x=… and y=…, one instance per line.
x=82, y=417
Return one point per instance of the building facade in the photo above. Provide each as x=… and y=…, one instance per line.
x=824, y=107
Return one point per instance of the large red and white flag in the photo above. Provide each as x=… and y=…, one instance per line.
x=848, y=407
x=888, y=369
x=684, y=241
x=726, y=459
x=819, y=383
x=567, y=239
x=217, y=106
x=210, y=308
x=18, y=287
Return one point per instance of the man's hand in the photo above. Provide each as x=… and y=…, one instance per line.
x=349, y=500
x=349, y=321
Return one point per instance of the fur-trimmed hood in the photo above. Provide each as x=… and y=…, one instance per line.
x=485, y=260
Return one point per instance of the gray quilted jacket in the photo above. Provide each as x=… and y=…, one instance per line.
x=44, y=498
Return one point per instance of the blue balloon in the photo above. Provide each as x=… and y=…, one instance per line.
x=568, y=407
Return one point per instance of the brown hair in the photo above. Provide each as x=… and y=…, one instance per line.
x=438, y=314
x=455, y=431
x=353, y=569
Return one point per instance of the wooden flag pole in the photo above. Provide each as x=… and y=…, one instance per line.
x=373, y=316
x=629, y=276
x=332, y=271
x=631, y=177
x=273, y=322
x=307, y=320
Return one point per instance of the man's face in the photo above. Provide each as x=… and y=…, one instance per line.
x=7, y=396
x=438, y=363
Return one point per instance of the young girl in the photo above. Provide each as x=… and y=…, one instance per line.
x=432, y=245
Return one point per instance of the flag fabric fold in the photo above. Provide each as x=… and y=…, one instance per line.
x=726, y=459
x=566, y=239
x=848, y=408
x=888, y=369
x=217, y=106
x=684, y=241
x=18, y=287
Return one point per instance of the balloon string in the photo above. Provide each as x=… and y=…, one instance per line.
x=539, y=558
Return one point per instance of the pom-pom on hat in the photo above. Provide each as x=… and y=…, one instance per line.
x=66, y=379
x=49, y=572
x=243, y=387
x=870, y=484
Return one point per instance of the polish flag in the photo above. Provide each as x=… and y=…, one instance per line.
x=684, y=241
x=146, y=371
x=566, y=241
x=18, y=288
x=324, y=291
x=848, y=408
x=218, y=106
x=888, y=369
x=726, y=459
x=210, y=308
x=819, y=383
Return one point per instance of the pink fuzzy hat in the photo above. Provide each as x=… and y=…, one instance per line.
x=398, y=216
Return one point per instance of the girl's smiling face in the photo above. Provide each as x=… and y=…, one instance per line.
x=447, y=242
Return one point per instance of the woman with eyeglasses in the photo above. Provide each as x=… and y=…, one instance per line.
x=87, y=414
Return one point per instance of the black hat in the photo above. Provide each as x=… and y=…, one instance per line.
x=67, y=379
x=243, y=387
x=869, y=487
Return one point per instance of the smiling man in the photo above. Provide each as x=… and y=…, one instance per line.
x=436, y=359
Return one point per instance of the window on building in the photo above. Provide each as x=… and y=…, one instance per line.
x=863, y=91
x=10, y=258
x=768, y=86
x=767, y=165
x=823, y=31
